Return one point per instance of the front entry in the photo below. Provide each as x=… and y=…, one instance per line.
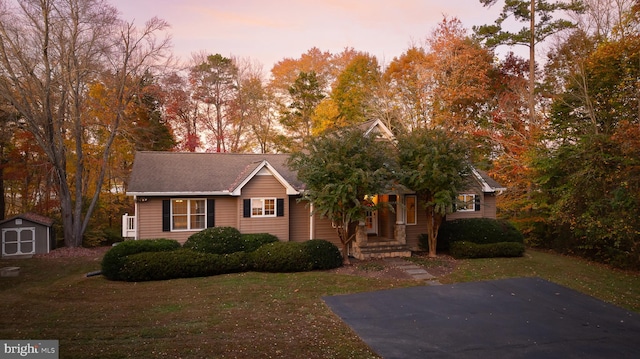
x=371, y=222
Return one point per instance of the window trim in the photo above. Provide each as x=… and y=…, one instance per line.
x=415, y=209
x=472, y=202
x=188, y=214
x=264, y=199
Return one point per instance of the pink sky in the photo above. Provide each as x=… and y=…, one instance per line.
x=269, y=30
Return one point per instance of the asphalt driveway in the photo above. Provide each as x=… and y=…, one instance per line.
x=510, y=318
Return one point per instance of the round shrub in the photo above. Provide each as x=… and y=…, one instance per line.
x=323, y=254
x=114, y=259
x=216, y=240
x=475, y=230
x=463, y=249
x=182, y=263
x=282, y=257
x=253, y=241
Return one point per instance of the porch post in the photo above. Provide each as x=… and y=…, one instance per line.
x=361, y=235
x=400, y=230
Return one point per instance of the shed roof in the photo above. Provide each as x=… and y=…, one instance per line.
x=32, y=217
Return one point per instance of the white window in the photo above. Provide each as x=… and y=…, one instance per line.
x=466, y=203
x=411, y=210
x=263, y=207
x=188, y=214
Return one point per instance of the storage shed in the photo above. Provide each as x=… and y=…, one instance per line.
x=26, y=234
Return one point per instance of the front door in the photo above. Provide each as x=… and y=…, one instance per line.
x=372, y=222
x=18, y=241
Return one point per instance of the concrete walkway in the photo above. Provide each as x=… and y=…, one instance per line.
x=415, y=271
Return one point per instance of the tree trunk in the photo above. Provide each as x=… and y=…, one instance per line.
x=431, y=233
x=532, y=65
x=343, y=234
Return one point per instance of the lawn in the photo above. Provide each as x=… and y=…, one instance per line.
x=248, y=315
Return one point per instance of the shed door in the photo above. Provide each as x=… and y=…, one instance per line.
x=18, y=241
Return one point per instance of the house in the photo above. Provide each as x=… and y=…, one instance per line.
x=26, y=234
x=178, y=194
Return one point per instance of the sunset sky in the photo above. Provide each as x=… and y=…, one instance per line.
x=269, y=30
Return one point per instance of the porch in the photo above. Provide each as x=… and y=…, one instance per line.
x=383, y=233
x=128, y=226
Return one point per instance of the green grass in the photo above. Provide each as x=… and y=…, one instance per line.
x=247, y=315
x=621, y=288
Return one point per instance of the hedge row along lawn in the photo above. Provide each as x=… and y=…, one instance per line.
x=245, y=315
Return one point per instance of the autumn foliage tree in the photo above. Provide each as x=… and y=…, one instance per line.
x=460, y=76
x=50, y=53
x=588, y=174
x=214, y=87
x=305, y=95
x=354, y=89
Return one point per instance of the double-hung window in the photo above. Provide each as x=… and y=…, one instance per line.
x=263, y=207
x=188, y=214
x=466, y=203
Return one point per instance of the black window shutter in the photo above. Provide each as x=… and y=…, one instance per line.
x=246, y=208
x=166, y=215
x=476, y=199
x=280, y=207
x=211, y=211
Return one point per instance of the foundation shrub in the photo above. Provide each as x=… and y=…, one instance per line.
x=182, y=263
x=115, y=258
x=474, y=230
x=281, y=257
x=253, y=241
x=323, y=254
x=216, y=240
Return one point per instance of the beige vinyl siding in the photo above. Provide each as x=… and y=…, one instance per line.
x=414, y=231
x=489, y=208
x=324, y=230
x=226, y=212
x=299, y=221
x=264, y=186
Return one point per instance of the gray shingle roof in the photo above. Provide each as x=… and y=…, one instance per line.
x=33, y=217
x=489, y=184
x=206, y=173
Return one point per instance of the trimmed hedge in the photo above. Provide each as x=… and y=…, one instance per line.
x=216, y=240
x=181, y=263
x=463, y=249
x=282, y=257
x=474, y=230
x=323, y=254
x=253, y=241
x=114, y=259
x=161, y=259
